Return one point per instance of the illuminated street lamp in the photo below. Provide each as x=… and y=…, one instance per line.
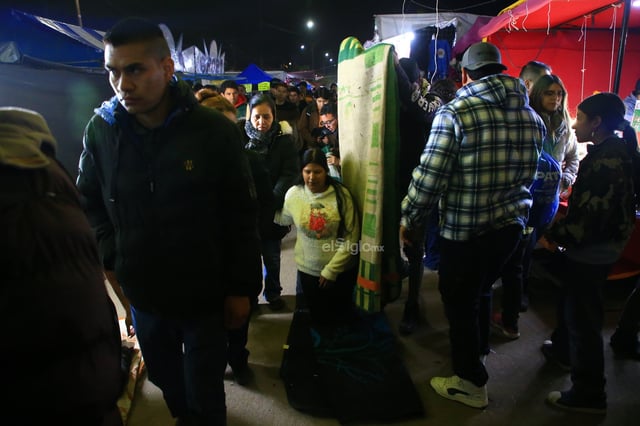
x=310, y=26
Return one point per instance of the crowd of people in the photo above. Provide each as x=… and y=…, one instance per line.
x=189, y=192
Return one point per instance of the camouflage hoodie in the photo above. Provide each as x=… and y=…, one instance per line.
x=601, y=213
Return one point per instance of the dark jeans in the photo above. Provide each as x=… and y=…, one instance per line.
x=512, y=278
x=191, y=380
x=330, y=304
x=271, y=259
x=629, y=322
x=414, y=256
x=467, y=271
x=527, y=256
x=579, y=328
x=237, y=352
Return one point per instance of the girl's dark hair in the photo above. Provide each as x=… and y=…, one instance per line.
x=260, y=99
x=315, y=156
x=322, y=92
x=608, y=106
x=318, y=157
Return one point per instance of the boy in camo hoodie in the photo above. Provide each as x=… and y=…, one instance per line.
x=599, y=221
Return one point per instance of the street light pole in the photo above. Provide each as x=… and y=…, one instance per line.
x=78, y=12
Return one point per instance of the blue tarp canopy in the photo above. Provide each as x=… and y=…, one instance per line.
x=30, y=38
x=255, y=75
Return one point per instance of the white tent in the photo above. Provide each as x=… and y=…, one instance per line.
x=388, y=26
x=397, y=29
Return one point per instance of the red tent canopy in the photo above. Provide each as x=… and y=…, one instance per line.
x=537, y=14
x=579, y=39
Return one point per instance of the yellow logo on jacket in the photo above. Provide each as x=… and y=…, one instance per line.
x=188, y=165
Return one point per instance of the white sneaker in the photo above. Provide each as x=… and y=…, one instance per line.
x=461, y=390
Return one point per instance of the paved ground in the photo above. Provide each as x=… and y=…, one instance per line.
x=520, y=377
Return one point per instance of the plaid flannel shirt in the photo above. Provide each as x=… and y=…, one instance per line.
x=479, y=161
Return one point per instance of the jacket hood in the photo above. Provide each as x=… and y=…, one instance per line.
x=111, y=110
x=25, y=139
x=498, y=89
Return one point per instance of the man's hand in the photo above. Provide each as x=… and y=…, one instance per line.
x=547, y=244
x=236, y=311
x=324, y=282
x=408, y=236
x=332, y=160
x=110, y=276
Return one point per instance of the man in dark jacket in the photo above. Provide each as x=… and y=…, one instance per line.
x=163, y=176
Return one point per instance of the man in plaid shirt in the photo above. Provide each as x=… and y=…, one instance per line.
x=478, y=163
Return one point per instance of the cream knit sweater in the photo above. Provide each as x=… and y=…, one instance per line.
x=318, y=249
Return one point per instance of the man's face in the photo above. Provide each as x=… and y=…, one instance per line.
x=329, y=121
x=281, y=94
x=231, y=95
x=138, y=78
x=294, y=97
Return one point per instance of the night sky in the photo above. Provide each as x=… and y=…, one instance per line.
x=268, y=33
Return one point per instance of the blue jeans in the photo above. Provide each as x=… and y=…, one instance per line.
x=271, y=259
x=192, y=381
x=467, y=271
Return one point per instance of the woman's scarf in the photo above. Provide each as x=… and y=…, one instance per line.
x=260, y=141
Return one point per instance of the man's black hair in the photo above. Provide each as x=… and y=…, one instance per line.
x=329, y=108
x=484, y=71
x=533, y=69
x=135, y=30
x=228, y=84
x=132, y=29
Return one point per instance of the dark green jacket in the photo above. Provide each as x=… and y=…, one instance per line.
x=174, y=208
